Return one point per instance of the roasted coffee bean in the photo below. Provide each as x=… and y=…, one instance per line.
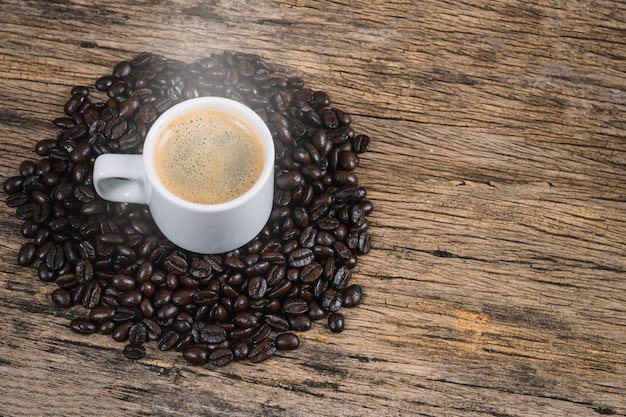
x=352, y=296
x=168, y=340
x=331, y=300
x=310, y=273
x=176, y=262
x=281, y=289
x=336, y=322
x=120, y=332
x=123, y=314
x=257, y=288
x=44, y=273
x=134, y=351
x=183, y=297
x=342, y=251
x=341, y=277
x=17, y=199
x=55, y=257
x=295, y=306
x=260, y=333
x=289, y=180
x=137, y=334
x=241, y=349
x=315, y=312
x=83, y=325
x=360, y=143
x=27, y=254
x=364, y=243
x=131, y=298
x=301, y=257
x=299, y=323
x=261, y=267
x=206, y=297
x=153, y=328
x=221, y=357
x=262, y=351
x=276, y=322
x=29, y=228
x=287, y=341
x=212, y=334
x=62, y=297
x=92, y=295
x=308, y=236
x=101, y=313
x=80, y=173
x=196, y=354
x=246, y=319
x=165, y=315
x=13, y=184
x=123, y=282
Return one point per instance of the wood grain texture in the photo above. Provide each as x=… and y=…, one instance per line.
x=496, y=285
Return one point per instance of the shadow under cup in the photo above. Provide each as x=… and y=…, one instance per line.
x=201, y=228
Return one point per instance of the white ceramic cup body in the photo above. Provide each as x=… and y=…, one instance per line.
x=201, y=228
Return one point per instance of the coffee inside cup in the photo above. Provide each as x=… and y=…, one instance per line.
x=208, y=157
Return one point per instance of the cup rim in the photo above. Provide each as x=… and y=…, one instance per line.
x=218, y=103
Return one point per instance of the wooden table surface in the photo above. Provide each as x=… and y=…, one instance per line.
x=496, y=283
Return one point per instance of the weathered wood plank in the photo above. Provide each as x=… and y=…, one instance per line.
x=496, y=285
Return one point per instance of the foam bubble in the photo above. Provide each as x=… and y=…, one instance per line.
x=208, y=158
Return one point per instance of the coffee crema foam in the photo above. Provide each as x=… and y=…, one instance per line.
x=208, y=157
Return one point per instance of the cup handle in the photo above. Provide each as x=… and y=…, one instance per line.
x=121, y=178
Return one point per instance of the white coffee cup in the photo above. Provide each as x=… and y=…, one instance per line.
x=201, y=228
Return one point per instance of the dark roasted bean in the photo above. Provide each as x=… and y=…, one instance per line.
x=213, y=334
x=241, y=349
x=92, y=295
x=257, y=288
x=166, y=313
x=62, y=297
x=123, y=282
x=341, y=277
x=134, y=351
x=131, y=298
x=301, y=257
x=137, y=334
x=206, y=297
x=262, y=351
x=287, y=341
x=295, y=306
x=352, y=296
x=221, y=357
x=101, y=313
x=17, y=199
x=310, y=273
x=336, y=322
x=13, y=184
x=299, y=323
x=289, y=180
x=246, y=319
x=331, y=300
x=315, y=312
x=260, y=333
x=83, y=325
x=277, y=322
x=27, y=254
x=168, y=340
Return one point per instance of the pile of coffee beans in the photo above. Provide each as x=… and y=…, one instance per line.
x=136, y=285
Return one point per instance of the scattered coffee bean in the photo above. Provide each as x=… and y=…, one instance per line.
x=134, y=351
x=336, y=322
x=287, y=341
